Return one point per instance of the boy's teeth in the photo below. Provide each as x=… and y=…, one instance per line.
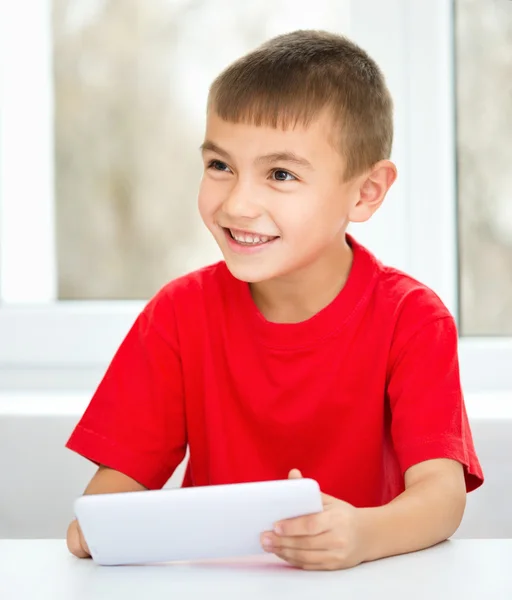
x=248, y=238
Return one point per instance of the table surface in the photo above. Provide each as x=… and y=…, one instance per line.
x=44, y=570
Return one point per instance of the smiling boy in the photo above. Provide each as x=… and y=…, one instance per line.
x=300, y=353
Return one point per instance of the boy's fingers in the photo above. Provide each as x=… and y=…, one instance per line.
x=326, y=499
x=76, y=542
x=83, y=543
x=295, y=474
x=313, y=524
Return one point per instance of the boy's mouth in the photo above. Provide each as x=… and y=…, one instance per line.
x=247, y=238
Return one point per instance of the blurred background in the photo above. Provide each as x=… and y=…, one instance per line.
x=483, y=68
x=102, y=110
x=129, y=82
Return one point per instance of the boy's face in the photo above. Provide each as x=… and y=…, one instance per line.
x=274, y=200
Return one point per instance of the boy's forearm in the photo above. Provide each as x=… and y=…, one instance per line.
x=108, y=481
x=425, y=514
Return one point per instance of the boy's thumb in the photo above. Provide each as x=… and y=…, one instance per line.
x=295, y=474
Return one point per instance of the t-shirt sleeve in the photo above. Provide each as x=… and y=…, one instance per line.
x=428, y=415
x=135, y=422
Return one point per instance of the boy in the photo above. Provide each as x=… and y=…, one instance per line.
x=300, y=353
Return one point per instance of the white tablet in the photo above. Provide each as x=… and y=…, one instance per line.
x=221, y=521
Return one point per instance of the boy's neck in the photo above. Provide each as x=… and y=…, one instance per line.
x=299, y=296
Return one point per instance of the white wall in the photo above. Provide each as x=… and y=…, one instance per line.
x=40, y=478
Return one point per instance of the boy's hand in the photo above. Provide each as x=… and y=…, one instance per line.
x=105, y=481
x=76, y=541
x=328, y=540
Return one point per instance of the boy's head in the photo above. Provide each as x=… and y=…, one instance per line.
x=298, y=138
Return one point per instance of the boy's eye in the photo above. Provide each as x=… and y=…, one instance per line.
x=218, y=165
x=281, y=175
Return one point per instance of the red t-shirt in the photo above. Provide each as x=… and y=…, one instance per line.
x=352, y=397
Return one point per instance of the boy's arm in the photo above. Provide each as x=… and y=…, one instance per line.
x=135, y=422
x=427, y=512
x=105, y=481
x=433, y=445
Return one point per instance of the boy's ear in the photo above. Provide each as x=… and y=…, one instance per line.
x=372, y=190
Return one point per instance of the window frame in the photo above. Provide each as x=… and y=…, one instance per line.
x=44, y=343
x=485, y=360
x=27, y=229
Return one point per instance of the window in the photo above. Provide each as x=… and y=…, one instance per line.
x=483, y=53
x=433, y=107
x=101, y=116
x=130, y=86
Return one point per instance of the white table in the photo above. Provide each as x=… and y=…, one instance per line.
x=468, y=569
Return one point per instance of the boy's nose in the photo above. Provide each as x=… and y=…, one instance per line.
x=240, y=204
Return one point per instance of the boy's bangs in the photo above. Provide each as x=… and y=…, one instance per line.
x=280, y=108
x=293, y=79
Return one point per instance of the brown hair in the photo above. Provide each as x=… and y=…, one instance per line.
x=293, y=77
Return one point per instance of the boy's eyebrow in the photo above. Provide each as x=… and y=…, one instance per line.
x=286, y=156
x=274, y=157
x=208, y=145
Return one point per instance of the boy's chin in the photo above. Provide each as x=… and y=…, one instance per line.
x=251, y=273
